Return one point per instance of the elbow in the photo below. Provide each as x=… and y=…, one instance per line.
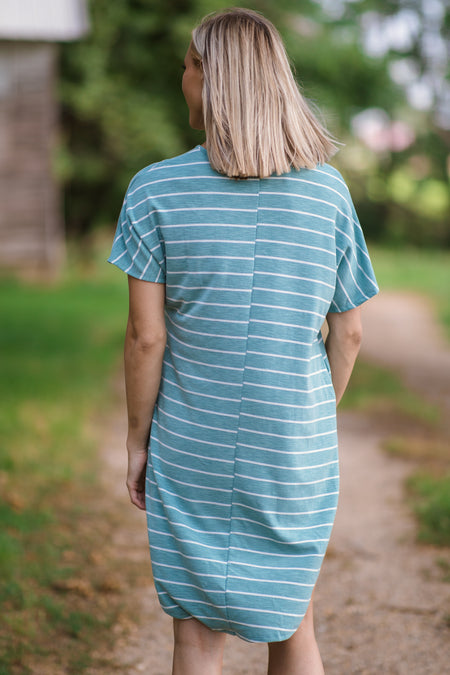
x=151, y=342
x=354, y=336
x=148, y=342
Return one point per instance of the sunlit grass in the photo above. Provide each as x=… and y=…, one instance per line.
x=431, y=503
x=425, y=271
x=377, y=390
x=60, y=345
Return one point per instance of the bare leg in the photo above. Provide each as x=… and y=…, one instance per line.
x=198, y=650
x=299, y=655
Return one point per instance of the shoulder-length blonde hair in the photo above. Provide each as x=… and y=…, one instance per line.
x=256, y=120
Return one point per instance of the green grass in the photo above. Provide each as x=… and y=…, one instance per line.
x=60, y=345
x=377, y=390
x=431, y=503
x=425, y=271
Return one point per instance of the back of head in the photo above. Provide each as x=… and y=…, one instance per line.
x=256, y=120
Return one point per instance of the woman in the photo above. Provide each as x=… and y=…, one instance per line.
x=236, y=252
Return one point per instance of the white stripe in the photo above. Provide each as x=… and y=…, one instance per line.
x=300, y=213
x=279, y=290
x=264, y=611
x=299, y=262
x=289, y=499
x=190, y=485
x=300, y=195
x=281, y=356
x=197, y=471
x=212, y=288
x=285, y=372
x=265, y=595
x=213, y=272
x=119, y=257
x=270, y=581
x=196, y=424
x=279, y=529
x=146, y=268
x=174, y=523
x=204, y=379
x=208, y=318
x=293, y=438
x=214, y=241
x=271, y=387
x=310, y=182
x=284, y=482
x=284, y=468
x=273, y=567
x=212, y=225
x=185, y=513
x=286, y=421
x=186, y=499
x=283, y=555
x=289, y=405
x=199, y=393
x=183, y=569
x=289, y=452
x=189, y=438
x=283, y=513
x=203, y=410
x=188, y=557
x=202, y=363
x=188, y=541
x=281, y=341
x=207, y=335
x=297, y=245
x=207, y=257
x=182, y=583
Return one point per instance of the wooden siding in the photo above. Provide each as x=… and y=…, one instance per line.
x=31, y=228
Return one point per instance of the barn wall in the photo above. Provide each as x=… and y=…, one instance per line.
x=31, y=228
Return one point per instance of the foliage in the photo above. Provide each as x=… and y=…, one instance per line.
x=59, y=345
x=122, y=109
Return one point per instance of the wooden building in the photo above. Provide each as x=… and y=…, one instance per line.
x=31, y=223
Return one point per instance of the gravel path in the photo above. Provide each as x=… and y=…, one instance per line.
x=381, y=603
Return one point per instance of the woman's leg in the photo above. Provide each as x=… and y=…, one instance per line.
x=198, y=650
x=299, y=655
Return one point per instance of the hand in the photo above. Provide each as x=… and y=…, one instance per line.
x=137, y=464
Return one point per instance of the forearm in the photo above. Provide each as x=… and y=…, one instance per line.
x=143, y=363
x=342, y=346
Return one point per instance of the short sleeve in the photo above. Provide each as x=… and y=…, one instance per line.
x=137, y=248
x=355, y=278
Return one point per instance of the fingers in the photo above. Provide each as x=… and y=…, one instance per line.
x=137, y=497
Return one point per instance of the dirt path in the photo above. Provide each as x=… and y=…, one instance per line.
x=381, y=603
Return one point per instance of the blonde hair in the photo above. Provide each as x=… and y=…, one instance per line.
x=256, y=120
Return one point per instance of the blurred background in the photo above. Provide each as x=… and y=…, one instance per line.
x=90, y=93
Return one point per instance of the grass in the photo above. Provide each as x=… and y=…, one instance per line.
x=431, y=503
x=60, y=345
x=377, y=390
x=422, y=436
x=425, y=271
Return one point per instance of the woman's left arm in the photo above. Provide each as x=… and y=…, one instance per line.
x=145, y=341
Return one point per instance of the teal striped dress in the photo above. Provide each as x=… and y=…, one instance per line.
x=243, y=474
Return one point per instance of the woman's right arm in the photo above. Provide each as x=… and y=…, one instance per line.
x=342, y=346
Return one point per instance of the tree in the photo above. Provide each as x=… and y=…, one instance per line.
x=122, y=106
